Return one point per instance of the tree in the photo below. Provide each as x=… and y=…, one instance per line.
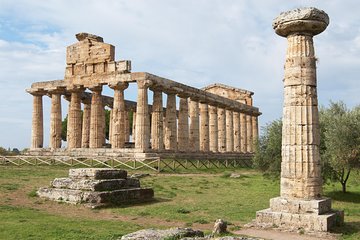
x=341, y=132
x=268, y=154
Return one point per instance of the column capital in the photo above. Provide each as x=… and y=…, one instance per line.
x=36, y=91
x=144, y=83
x=75, y=88
x=119, y=86
x=96, y=88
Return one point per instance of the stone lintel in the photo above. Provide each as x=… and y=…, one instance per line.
x=97, y=173
x=299, y=206
x=292, y=221
x=95, y=185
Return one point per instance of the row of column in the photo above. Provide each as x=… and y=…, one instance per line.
x=195, y=127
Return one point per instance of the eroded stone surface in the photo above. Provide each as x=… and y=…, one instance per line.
x=154, y=234
x=97, y=173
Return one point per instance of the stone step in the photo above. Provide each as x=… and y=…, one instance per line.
x=316, y=206
x=97, y=173
x=116, y=197
x=95, y=185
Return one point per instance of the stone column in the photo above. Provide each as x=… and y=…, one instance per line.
x=134, y=126
x=55, y=120
x=118, y=116
x=243, y=133
x=127, y=127
x=229, y=131
x=204, y=127
x=222, y=129
x=194, y=125
x=37, y=130
x=85, y=139
x=142, y=129
x=237, y=136
x=110, y=126
x=300, y=204
x=170, y=123
x=183, y=125
x=255, y=129
x=157, y=117
x=213, y=129
x=74, y=119
x=249, y=132
x=97, y=133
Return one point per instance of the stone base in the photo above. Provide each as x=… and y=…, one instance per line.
x=294, y=214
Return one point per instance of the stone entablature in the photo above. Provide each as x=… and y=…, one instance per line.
x=192, y=127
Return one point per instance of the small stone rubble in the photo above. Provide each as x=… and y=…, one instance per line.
x=96, y=187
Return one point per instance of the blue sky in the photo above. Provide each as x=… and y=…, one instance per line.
x=194, y=42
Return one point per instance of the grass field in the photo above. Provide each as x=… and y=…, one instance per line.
x=188, y=198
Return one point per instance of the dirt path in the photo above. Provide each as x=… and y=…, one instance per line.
x=277, y=235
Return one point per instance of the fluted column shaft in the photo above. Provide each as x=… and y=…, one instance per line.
x=255, y=129
x=142, y=128
x=85, y=139
x=74, y=120
x=300, y=167
x=243, y=132
x=118, y=116
x=55, y=121
x=213, y=129
x=222, y=129
x=249, y=132
x=229, y=131
x=97, y=132
x=194, y=125
x=37, y=130
x=127, y=127
x=183, y=125
x=237, y=136
x=157, y=118
x=204, y=127
x=170, y=123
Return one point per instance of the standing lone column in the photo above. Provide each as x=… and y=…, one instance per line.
x=229, y=131
x=183, y=125
x=222, y=129
x=194, y=125
x=170, y=123
x=37, y=130
x=118, y=116
x=213, y=129
x=204, y=127
x=55, y=120
x=142, y=128
x=157, y=118
x=300, y=204
x=97, y=133
x=74, y=119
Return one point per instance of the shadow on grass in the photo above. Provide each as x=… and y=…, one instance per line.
x=344, y=197
x=348, y=228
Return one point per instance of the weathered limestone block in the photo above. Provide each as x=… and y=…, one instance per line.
x=154, y=234
x=97, y=173
x=299, y=206
x=95, y=185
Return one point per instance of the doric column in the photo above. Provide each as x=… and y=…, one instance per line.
x=194, y=125
x=118, y=116
x=255, y=129
x=142, y=128
x=97, y=133
x=85, y=139
x=134, y=126
x=204, y=127
x=183, y=125
x=213, y=129
x=37, y=130
x=222, y=129
x=110, y=126
x=157, y=117
x=243, y=133
x=249, y=132
x=237, y=136
x=127, y=127
x=55, y=120
x=229, y=131
x=74, y=119
x=170, y=123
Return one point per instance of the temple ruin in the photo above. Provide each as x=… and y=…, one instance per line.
x=217, y=120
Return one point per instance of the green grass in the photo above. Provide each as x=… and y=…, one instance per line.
x=187, y=198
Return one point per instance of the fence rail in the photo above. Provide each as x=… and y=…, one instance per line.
x=153, y=163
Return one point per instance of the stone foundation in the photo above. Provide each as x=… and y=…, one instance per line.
x=96, y=187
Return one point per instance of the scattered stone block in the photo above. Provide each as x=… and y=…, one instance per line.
x=220, y=227
x=154, y=234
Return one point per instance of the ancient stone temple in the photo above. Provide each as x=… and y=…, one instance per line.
x=217, y=119
x=300, y=204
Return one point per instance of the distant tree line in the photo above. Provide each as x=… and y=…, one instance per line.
x=339, y=144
